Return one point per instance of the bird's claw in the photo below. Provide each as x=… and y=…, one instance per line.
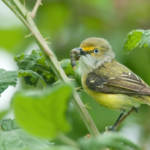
x=110, y=128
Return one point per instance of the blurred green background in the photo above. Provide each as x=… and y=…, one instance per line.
x=68, y=23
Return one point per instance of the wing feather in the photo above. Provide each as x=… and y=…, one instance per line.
x=126, y=83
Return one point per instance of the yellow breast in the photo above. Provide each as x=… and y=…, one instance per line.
x=117, y=102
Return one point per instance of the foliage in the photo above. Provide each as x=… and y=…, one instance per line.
x=74, y=74
x=43, y=113
x=13, y=138
x=36, y=62
x=34, y=67
x=34, y=111
x=8, y=125
x=47, y=112
x=110, y=140
x=30, y=77
x=7, y=78
x=137, y=38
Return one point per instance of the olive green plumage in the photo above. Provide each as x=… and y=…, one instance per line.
x=114, y=77
x=110, y=83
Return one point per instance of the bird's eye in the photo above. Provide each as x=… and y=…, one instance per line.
x=96, y=51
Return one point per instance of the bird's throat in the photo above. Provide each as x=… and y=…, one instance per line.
x=88, y=63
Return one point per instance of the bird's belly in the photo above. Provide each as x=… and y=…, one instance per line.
x=117, y=102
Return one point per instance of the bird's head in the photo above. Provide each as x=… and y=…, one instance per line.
x=93, y=53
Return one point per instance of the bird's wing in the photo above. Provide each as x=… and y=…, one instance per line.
x=125, y=83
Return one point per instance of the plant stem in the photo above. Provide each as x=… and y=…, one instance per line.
x=67, y=140
x=38, y=3
x=21, y=12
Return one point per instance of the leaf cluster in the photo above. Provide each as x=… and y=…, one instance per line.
x=137, y=38
x=37, y=63
x=43, y=114
x=35, y=67
x=14, y=138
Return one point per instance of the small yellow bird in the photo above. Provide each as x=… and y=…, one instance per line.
x=110, y=83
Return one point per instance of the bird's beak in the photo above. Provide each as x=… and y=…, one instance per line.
x=82, y=53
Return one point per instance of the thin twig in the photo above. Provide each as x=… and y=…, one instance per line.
x=38, y=3
x=25, y=17
x=26, y=36
x=67, y=140
x=86, y=105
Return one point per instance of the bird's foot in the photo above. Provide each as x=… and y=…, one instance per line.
x=110, y=128
x=136, y=109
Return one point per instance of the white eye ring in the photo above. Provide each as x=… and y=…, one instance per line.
x=96, y=51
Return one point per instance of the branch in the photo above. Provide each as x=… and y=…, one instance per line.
x=38, y=3
x=25, y=17
x=66, y=140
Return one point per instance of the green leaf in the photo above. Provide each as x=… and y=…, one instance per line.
x=43, y=113
x=62, y=148
x=7, y=78
x=4, y=112
x=66, y=65
x=137, y=38
x=20, y=140
x=32, y=61
x=109, y=140
x=8, y=125
x=38, y=64
x=17, y=139
x=30, y=77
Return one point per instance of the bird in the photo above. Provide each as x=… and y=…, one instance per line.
x=108, y=82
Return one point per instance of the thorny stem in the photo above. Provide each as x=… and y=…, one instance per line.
x=22, y=13
x=38, y=3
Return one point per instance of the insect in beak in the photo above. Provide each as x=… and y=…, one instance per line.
x=75, y=55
